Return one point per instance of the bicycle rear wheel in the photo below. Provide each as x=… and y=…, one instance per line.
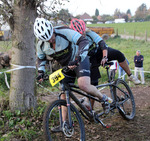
x=51, y=120
x=124, y=99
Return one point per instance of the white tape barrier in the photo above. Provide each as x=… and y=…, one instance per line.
x=137, y=71
x=142, y=71
x=6, y=81
x=18, y=67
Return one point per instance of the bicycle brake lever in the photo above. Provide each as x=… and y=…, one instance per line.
x=108, y=63
x=65, y=70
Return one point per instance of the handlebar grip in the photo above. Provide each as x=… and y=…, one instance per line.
x=108, y=63
x=65, y=69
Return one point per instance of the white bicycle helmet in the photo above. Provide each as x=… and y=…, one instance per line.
x=43, y=29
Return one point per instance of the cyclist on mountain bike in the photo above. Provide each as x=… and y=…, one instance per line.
x=70, y=49
x=100, y=53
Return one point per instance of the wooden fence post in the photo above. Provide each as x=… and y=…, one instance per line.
x=117, y=32
x=134, y=34
x=146, y=36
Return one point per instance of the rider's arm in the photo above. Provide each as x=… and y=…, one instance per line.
x=98, y=41
x=79, y=40
x=41, y=57
x=83, y=47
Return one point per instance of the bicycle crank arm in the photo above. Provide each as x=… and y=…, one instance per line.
x=105, y=126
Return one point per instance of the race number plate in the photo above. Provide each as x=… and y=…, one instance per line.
x=55, y=77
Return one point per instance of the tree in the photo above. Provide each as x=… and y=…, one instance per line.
x=141, y=13
x=20, y=15
x=105, y=18
x=95, y=20
x=128, y=12
x=117, y=14
x=64, y=15
x=125, y=16
x=96, y=12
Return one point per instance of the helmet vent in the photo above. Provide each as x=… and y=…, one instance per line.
x=46, y=24
x=39, y=31
x=42, y=28
x=49, y=32
x=43, y=37
x=46, y=35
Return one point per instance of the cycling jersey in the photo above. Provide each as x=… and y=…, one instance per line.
x=97, y=45
x=68, y=45
x=95, y=41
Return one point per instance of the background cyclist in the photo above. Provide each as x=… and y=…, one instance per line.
x=100, y=53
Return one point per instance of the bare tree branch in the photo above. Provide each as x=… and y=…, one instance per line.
x=6, y=3
x=3, y=12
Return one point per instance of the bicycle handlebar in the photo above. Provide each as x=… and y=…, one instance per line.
x=66, y=69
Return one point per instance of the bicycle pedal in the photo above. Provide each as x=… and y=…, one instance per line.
x=108, y=126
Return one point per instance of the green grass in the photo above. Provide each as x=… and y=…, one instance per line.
x=129, y=48
x=5, y=46
x=128, y=28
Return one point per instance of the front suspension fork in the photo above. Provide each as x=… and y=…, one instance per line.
x=68, y=109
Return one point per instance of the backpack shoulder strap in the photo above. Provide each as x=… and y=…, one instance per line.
x=61, y=35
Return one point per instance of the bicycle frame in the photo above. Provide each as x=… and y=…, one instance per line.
x=74, y=88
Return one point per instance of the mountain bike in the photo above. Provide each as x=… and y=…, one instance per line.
x=73, y=129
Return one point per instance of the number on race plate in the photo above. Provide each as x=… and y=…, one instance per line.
x=56, y=77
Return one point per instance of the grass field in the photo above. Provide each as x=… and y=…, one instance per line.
x=128, y=28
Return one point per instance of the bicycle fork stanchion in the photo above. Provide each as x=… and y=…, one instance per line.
x=60, y=111
x=68, y=108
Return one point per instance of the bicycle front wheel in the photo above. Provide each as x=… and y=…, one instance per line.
x=124, y=99
x=51, y=120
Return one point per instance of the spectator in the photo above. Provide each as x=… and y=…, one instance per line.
x=113, y=69
x=138, y=60
x=122, y=72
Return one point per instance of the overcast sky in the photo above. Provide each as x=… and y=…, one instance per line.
x=104, y=6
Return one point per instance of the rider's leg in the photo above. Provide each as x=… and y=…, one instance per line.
x=84, y=83
x=114, y=54
x=125, y=67
x=63, y=96
x=64, y=109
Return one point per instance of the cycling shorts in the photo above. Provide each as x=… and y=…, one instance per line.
x=82, y=70
x=95, y=61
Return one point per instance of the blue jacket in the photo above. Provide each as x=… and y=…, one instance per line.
x=138, y=60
